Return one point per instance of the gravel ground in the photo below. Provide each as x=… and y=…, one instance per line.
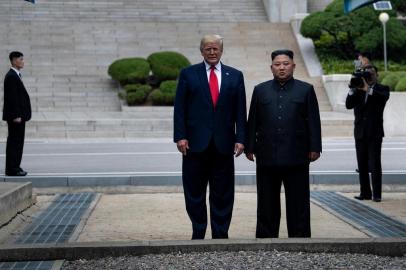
x=243, y=260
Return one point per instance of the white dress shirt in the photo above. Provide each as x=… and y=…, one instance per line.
x=217, y=71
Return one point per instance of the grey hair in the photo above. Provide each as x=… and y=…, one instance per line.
x=211, y=38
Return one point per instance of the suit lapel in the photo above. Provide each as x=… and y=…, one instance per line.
x=202, y=74
x=225, y=79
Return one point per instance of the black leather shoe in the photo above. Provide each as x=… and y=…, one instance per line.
x=21, y=170
x=19, y=173
x=377, y=199
x=361, y=198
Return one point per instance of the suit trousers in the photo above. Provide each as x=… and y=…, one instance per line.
x=295, y=180
x=217, y=170
x=15, y=146
x=369, y=160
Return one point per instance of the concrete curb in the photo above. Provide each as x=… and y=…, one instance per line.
x=176, y=180
x=14, y=200
x=74, y=251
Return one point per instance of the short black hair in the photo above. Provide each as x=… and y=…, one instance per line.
x=14, y=55
x=282, y=52
x=372, y=66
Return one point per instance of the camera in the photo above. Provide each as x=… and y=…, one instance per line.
x=356, y=79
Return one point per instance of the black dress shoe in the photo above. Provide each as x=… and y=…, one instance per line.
x=19, y=173
x=377, y=199
x=21, y=170
x=361, y=198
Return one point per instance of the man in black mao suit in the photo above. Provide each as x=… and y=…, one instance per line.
x=284, y=135
x=368, y=103
x=209, y=129
x=16, y=111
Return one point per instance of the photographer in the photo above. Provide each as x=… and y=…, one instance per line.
x=368, y=99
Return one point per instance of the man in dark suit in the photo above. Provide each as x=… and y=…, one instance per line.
x=368, y=103
x=209, y=129
x=16, y=111
x=284, y=135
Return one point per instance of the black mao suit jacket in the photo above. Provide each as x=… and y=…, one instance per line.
x=284, y=123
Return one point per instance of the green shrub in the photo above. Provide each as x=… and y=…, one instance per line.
x=399, y=5
x=167, y=65
x=382, y=75
x=122, y=94
x=129, y=70
x=131, y=87
x=160, y=98
x=340, y=35
x=168, y=87
x=401, y=85
x=136, y=98
x=391, y=80
x=137, y=87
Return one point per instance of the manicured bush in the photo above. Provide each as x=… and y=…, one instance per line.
x=136, y=98
x=129, y=70
x=401, y=85
x=391, y=81
x=167, y=65
x=166, y=93
x=168, y=87
x=337, y=34
x=137, y=87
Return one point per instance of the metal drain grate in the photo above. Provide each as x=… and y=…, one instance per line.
x=55, y=225
x=365, y=218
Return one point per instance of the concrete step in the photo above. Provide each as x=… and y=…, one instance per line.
x=14, y=198
x=136, y=122
x=142, y=10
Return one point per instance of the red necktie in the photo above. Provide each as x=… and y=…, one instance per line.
x=214, y=86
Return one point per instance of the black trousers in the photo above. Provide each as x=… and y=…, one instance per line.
x=295, y=180
x=369, y=160
x=15, y=146
x=217, y=170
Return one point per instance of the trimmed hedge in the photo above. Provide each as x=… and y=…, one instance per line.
x=391, y=80
x=136, y=98
x=166, y=93
x=138, y=87
x=167, y=65
x=401, y=85
x=129, y=70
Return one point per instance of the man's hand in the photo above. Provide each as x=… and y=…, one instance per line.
x=365, y=86
x=313, y=156
x=238, y=149
x=183, y=146
x=17, y=120
x=250, y=156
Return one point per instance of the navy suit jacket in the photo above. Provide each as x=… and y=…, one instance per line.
x=16, y=99
x=195, y=118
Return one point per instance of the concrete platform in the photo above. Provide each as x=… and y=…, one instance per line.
x=14, y=198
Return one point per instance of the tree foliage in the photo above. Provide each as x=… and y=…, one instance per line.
x=335, y=33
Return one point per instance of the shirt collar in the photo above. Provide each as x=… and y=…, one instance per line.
x=218, y=66
x=16, y=70
x=285, y=85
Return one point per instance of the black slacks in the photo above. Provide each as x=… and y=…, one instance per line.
x=369, y=160
x=295, y=180
x=217, y=170
x=15, y=146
